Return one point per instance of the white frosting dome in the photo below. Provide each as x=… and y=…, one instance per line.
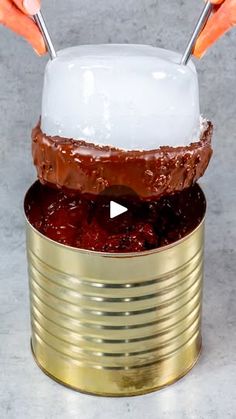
x=127, y=96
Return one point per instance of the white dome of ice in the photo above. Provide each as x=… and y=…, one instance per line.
x=127, y=96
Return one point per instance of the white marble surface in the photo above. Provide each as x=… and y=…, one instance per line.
x=209, y=390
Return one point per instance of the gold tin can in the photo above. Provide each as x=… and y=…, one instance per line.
x=116, y=324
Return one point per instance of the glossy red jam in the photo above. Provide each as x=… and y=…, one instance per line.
x=80, y=220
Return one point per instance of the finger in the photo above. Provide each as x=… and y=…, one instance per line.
x=30, y=7
x=217, y=1
x=23, y=25
x=217, y=25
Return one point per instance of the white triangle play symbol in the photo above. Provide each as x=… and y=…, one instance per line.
x=116, y=209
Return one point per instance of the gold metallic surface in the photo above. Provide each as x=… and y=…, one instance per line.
x=116, y=325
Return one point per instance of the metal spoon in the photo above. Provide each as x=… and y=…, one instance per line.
x=43, y=28
x=199, y=27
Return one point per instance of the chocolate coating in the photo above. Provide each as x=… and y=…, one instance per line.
x=88, y=168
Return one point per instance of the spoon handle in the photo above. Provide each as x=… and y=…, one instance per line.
x=199, y=27
x=43, y=29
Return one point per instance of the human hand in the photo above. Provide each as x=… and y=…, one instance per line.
x=17, y=16
x=222, y=19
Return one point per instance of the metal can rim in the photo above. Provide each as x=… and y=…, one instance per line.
x=115, y=255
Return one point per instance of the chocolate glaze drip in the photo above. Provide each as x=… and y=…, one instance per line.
x=89, y=168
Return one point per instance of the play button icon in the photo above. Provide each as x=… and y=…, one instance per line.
x=116, y=209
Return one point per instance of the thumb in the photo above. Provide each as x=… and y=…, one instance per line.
x=218, y=24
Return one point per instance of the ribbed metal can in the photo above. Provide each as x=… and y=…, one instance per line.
x=116, y=324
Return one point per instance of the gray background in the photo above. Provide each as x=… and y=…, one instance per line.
x=209, y=390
